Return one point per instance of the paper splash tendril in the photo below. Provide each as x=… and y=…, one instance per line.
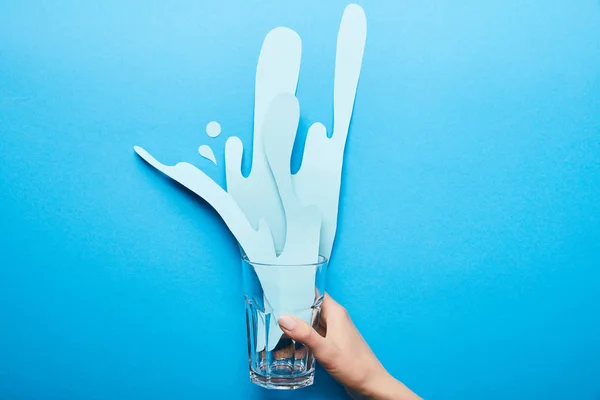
x=275, y=216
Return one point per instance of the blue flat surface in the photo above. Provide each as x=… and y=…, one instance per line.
x=468, y=250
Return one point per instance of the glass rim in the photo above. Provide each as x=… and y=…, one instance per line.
x=322, y=261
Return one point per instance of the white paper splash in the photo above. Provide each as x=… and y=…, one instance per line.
x=213, y=129
x=276, y=217
x=206, y=152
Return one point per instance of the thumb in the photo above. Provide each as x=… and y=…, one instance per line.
x=302, y=332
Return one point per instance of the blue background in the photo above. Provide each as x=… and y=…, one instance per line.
x=468, y=250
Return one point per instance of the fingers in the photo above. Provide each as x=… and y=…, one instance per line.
x=331, y=310
x=322, y=328
x=332, y=313
x=331, y=303
x=302, y=332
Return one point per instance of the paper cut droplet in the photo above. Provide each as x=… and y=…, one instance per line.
x=213, y=129
x=206, y=152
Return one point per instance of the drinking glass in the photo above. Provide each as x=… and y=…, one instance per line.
x=276, y=361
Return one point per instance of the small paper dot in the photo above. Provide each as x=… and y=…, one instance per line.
x=213, y=129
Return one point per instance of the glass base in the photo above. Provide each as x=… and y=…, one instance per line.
x=283, y=382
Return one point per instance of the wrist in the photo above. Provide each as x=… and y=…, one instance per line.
x=386, y=387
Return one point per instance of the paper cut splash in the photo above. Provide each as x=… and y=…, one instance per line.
x=206, y=152
x=213, y=129
x=277, y=217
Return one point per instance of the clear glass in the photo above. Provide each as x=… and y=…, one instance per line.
x=276, y=361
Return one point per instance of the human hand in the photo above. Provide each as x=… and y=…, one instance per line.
x=342, y=351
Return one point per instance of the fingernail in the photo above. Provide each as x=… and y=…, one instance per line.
x=288, y=323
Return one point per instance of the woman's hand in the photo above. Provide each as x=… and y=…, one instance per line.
x=342, y=351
